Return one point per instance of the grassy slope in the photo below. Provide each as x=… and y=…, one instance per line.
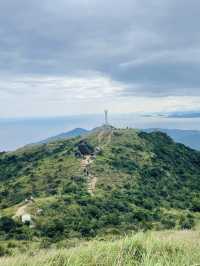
x=149, y=166
x=137, y=174
x=40, y=171
x=43, y=170
x=156, y=248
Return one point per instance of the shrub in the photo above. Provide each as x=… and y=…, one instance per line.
x=4, y=251
x=7, y=224
x=168, y=221
x=186, y=222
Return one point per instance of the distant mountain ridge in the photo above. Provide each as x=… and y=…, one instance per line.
x=65, y=135
x=184, y=114
x=181, y=114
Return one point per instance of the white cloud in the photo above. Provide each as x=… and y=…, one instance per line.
x=51, y=96
x=82, y=87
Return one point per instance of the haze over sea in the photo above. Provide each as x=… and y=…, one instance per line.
x=17, y=132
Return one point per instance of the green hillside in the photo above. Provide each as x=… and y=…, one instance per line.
x=111, y=181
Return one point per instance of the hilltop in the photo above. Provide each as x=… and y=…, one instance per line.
x=190, y=138
x=108, y=181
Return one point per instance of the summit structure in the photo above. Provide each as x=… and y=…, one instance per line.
x=106, y=117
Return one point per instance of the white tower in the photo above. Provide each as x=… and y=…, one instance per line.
x=106, y=117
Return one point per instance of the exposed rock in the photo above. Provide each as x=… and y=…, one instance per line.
x=85, y=148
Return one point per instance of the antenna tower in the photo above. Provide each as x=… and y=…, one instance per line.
x=106, y=117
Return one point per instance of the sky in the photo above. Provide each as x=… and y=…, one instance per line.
x=68, y=57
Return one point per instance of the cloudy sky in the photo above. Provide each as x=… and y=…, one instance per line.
x=81, y=56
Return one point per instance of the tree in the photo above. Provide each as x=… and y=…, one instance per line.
x=7, y=224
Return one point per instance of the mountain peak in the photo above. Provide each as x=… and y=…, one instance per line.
x=109, y=178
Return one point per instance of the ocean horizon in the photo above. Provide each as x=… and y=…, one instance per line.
x=18, y=132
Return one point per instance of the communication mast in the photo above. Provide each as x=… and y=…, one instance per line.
x=106, y=117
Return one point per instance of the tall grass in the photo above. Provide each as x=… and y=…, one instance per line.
x=152, y=249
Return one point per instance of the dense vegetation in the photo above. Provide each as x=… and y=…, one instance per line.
x=144, y=181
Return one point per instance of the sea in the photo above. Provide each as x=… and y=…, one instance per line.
x=18, y=132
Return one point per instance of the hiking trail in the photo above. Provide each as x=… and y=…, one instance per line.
x=21, y=210
x=92, y=180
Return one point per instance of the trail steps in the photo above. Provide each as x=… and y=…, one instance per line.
x=91, y=180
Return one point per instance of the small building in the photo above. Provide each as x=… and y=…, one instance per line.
x=26, y=218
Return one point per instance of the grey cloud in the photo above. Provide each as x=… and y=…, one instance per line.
x=126, y=40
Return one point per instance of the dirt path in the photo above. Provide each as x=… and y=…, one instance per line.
x=21, y=210
x=87, y=161
x=92, y=184
x=92, y=180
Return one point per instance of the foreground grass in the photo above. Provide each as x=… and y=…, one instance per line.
x=178, y=248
